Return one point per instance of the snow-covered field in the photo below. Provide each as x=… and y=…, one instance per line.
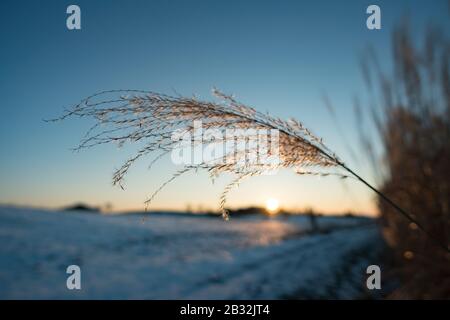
x=182, y=257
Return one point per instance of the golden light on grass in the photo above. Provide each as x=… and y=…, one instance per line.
x=272, y=205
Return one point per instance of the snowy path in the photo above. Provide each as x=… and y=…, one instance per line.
x=182, y=257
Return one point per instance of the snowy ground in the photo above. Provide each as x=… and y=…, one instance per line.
x=182, y=257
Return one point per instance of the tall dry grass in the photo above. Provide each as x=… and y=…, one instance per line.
x=414, y=131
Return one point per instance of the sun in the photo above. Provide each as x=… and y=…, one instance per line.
x=272, y=205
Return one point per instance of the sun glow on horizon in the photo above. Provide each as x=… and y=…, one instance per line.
x=272, y=205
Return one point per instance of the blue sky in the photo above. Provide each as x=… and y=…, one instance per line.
x=278, y=56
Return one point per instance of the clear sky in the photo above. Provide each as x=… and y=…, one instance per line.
x=278, y=56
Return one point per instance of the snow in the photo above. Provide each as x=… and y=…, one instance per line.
x=182, y=257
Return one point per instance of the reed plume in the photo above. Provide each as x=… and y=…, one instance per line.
x=130, y=116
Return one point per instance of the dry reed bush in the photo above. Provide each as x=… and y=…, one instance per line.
x=414, y=127
x=131, y=116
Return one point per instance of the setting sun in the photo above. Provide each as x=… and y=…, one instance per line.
x=272, y=205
